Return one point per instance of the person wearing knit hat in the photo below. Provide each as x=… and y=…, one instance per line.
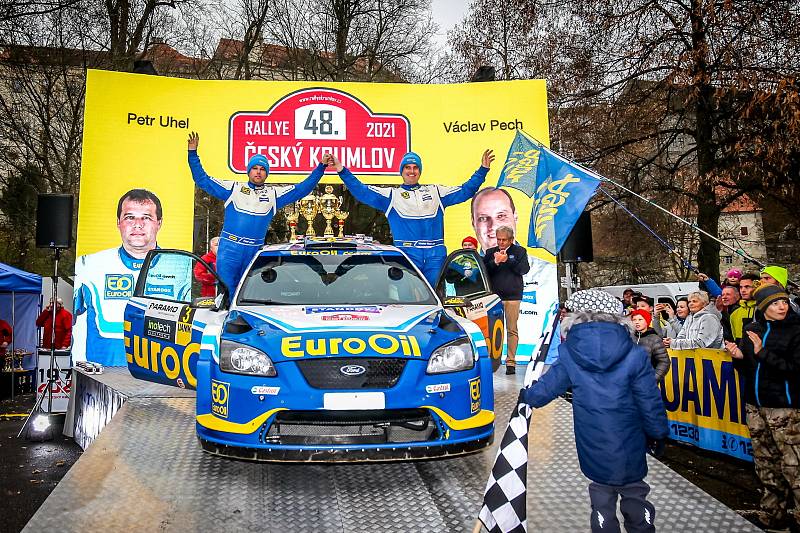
x=768, y=362
x=766, y=294
x=470, y=243
x=415, y=212
x=647, y=338
x=613, y=386
x=249, y=208
x=594, y=300
x=774, y=275
x=732, y=277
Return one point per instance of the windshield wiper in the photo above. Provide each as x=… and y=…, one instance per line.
x=260, y=302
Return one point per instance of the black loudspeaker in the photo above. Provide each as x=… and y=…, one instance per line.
x=578, y=246
x=54, y=221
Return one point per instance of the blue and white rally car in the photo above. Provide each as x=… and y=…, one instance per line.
x=330, y=350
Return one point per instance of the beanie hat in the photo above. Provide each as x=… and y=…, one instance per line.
x=765, y=294
x=734, y=273
x=648, y=318
x=470, y=239
x=780, y=274
x=593, y=300
x=258, y=159
x=411, y=159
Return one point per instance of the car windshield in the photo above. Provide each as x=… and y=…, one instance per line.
x=352, y=279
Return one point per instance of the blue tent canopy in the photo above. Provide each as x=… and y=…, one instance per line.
x=20, y=294
x=16, y=280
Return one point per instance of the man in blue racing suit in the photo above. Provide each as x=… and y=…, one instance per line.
x=415, y=212
x=249, y=208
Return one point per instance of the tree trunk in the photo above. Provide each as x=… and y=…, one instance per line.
x=707, y=206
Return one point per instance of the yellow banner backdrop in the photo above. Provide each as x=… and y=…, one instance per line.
x=705, y=404
x=136, y=128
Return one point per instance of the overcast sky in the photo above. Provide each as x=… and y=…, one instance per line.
x=447, y=13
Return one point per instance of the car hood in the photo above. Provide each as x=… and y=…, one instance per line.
x=297, y=332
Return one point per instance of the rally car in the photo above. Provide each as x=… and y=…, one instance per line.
x=329, y=350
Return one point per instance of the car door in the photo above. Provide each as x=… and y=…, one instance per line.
x=167, y=321
x=463, y=286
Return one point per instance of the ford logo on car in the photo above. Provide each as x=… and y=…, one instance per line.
x=352, y=370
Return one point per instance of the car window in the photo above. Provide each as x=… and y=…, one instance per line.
x=462, y=276
x=169, y=277
x=334, y=279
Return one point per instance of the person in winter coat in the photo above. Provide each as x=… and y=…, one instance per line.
x=746, y=310
x=63, y=325
x=659, y=324
x=768, y=361
x=208, y=283
x=647, y=338
x=6, y=334
x=617, y=408
x=702, y=328
x=677, y=316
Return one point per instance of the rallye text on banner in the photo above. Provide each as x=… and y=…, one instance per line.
x=329, y=350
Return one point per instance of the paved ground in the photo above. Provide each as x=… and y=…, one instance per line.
x=29, y=471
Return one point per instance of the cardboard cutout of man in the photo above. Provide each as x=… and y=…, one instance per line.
x=104, y=281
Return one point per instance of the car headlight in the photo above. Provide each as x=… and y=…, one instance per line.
x=240, y=359
x=453, y=357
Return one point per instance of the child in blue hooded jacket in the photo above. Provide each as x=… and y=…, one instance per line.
x=617, y=409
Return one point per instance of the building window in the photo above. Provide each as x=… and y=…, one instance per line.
x=744, y=231
x=727, y=259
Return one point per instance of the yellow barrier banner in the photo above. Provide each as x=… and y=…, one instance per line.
x=704, y=400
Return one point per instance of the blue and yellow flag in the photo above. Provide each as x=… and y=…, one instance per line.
x=560, y=190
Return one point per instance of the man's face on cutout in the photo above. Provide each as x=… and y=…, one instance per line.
x=491, y=210
x=138, y=227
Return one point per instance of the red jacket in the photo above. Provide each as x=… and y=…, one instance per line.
x=63, y=327
x=5, y=336
x=207, y=280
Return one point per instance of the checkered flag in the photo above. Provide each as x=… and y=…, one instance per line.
x=504, y=507
x=504, y=499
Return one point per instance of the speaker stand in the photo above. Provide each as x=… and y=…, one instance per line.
x=51, y=377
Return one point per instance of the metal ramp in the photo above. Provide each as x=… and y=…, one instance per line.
x=146, y=472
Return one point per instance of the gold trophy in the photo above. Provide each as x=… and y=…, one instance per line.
x=292, y=214
x=328, y=205
x=341, y=217
x=308, y=208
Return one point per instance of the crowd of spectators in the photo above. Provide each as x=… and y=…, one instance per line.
x=755, y=319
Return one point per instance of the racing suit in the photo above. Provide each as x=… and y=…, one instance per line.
x=416, y=215
x=104, y=281
x=248, y=211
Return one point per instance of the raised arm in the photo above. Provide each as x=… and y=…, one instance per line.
x=216, y=188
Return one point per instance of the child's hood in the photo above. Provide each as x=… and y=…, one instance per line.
x=598, y=346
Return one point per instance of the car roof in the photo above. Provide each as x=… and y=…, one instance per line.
x=352, y=244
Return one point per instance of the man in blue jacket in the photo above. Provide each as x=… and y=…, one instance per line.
x=617, y=408
x=415, y=212
x=249, y=208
